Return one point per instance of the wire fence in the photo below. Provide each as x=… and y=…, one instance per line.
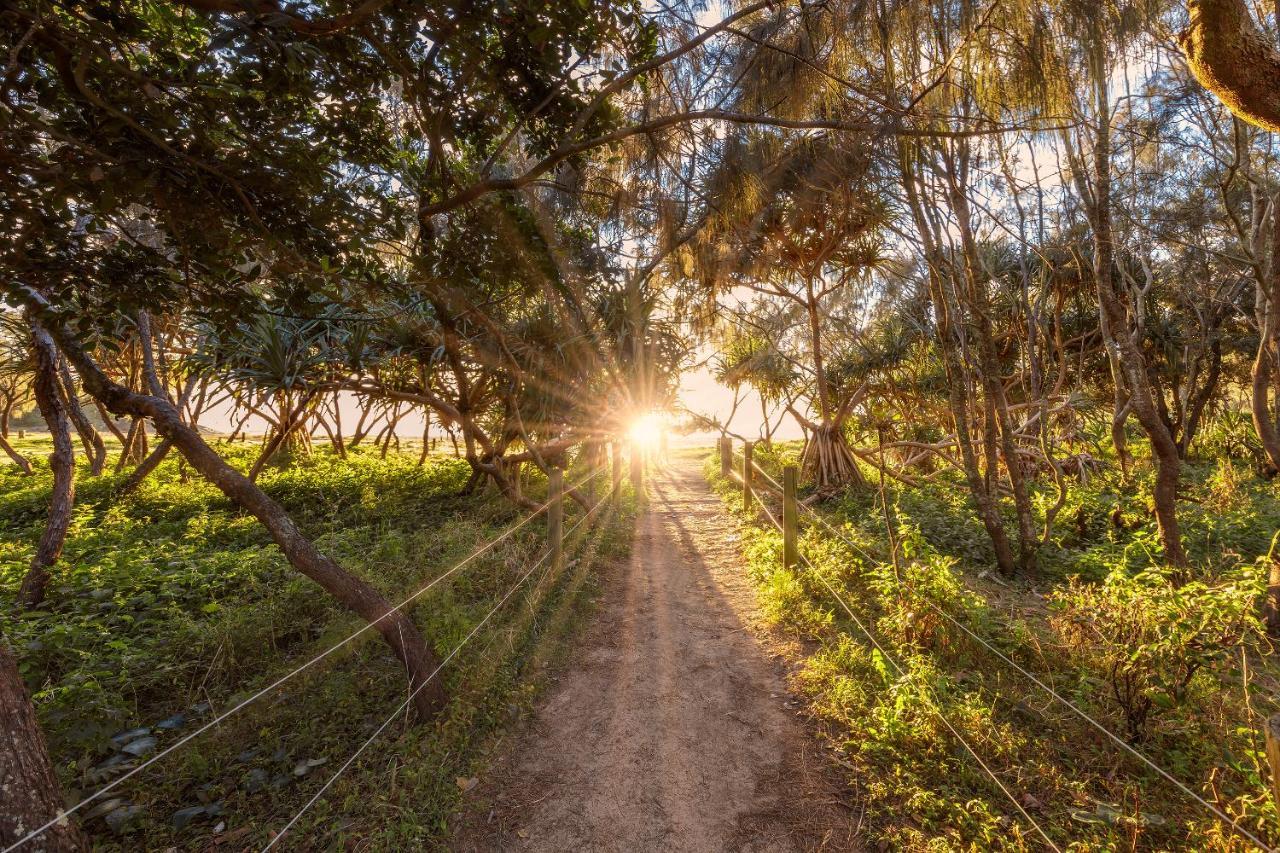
x=749, y=468
x=403, y=706
x=554, y=502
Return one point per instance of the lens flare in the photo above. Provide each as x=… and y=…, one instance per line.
x=646, y=430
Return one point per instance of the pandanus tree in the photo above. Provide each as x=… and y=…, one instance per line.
x=801, y=224
x=274, y=366
x=748, y=357
x=15, y=380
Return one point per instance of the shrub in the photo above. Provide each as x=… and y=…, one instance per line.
x=1146, y=638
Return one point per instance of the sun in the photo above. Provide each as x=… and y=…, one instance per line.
x=646, y=430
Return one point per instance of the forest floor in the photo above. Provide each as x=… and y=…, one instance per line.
x=673, y=728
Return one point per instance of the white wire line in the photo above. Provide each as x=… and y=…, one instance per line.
x=1119, y=741
x=63, y=815
x=399, y=709
x=902, y=673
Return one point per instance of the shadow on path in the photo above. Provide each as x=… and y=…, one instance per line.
x=669, y=731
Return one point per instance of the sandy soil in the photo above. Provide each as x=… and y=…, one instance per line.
x=673, y=728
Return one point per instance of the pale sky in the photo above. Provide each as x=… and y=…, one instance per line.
x=699, y=392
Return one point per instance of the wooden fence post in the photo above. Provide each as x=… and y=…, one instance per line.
x=555, y=517
x=1271, y=604
x=1272, y=732
x=637, y=467
x=726, y=456
x=747, y=447
x=790, y=517
x=615, y=450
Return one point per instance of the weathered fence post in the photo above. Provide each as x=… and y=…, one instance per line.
x=790, y=519
x=1271, y=606
x=637, y=467
x=555, y=517
x=726, y=456
x=747, y=447
x=592, y=455
x=616, y=451
x=1272, y=732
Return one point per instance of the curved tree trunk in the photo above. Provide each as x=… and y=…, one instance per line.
x=148, y=465
x=23, y=463
x=94, y=448
x=62, y=460
x=1231, y=58
x=29, y=793
x=1264, y=362
x=1127, y=352
x=396, y=628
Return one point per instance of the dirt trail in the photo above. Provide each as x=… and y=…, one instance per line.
x=673, y=729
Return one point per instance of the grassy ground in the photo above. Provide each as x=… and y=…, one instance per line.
x=1181, y=671
x=171, y=606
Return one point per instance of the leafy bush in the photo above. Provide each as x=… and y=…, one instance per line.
x=1230, y=435
x=1146, y=638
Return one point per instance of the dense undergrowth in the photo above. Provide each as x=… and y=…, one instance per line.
x=171, y=606
x=1178, y=667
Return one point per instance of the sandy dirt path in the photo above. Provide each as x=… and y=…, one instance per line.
x=672, y=729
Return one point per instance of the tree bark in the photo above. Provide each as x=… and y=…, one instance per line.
x=23, y=463
x=828, y=461
x=1231, y=58
x=1129, y=356
x=144, y=469
x=957, y=386
x=999, y=423
x=1264, y=362
x=94, y=448
x=29, y=792
x=396, y=628
x=62, y=461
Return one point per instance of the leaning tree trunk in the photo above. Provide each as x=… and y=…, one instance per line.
x=62, y=460
x=1231, y=58
x=1264, y=362
x=1130, y=357
x=957, y=388
x=94, y=447
x=29, y=793
x=397, y=629
x=21, y=461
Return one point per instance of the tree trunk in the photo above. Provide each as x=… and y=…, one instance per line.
x=1129, y=356
x=957, y=394
x=30, y=795
x=94, y=448
x=1264, y=362
x=828, y=462
x=396, y=628
x=62, y=461
x=1121, y=405
x=1231, y=58
x=999, y=424
x=426, y=437
x=18, y=459
x=151, y=463
x=21, y=461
